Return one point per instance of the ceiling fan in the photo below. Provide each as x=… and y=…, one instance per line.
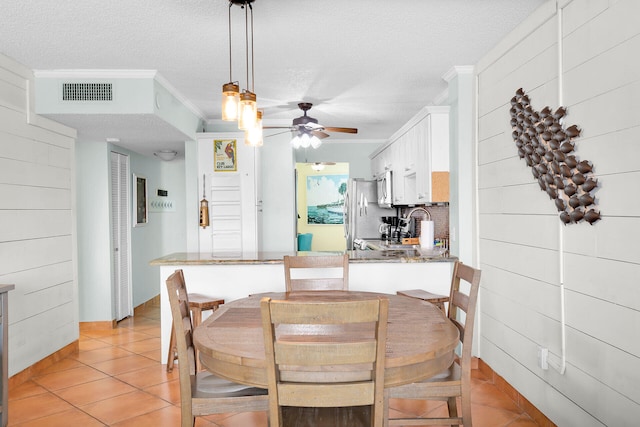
x=307, y=131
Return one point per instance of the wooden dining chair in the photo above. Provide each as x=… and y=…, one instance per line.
x=456, y=380
x=202, y=393
x=327, y=272
x=325, y=354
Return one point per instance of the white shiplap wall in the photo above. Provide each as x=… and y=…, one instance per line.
x=37, y=243
x=585, y=55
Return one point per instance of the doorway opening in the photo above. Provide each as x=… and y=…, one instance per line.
x=320, y=192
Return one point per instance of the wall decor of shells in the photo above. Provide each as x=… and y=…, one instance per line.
x=547, y=147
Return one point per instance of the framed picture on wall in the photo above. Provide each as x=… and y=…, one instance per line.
x=325, y=199
x=141, y=209
x=225, y=155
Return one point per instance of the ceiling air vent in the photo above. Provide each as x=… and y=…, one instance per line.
x=87, y=92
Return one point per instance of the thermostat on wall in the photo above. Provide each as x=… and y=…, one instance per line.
x=163, y=193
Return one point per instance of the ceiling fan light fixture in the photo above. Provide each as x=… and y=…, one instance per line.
x=247, y=112
x=315, y=142
x=305, y=140
x=253, y=137
x=230, y=101
x=318, y=166
x=295, y=142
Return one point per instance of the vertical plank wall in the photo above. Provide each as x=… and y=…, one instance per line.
x=36, y=224
x=585, y=55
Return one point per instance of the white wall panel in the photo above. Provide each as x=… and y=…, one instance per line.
x=519, y=227
x=538, y=296
x=511, y=171
x=530, y=230
x=535, y=263
x=608, y=151
x=525, y=59
x=31, y=174
x=13, y=122
x=19, y=197
x=606, y=279
x=597, y=358
x=559, y=408
x=29, y=224
x=516, y=199
x=36, y=225
x=596, y=26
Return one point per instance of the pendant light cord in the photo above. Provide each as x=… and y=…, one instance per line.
x=246, y=39
x=230, y=74
x=252, y=68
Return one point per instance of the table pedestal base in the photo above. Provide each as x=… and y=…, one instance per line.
x=355, y=416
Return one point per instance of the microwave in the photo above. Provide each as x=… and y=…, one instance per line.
x=384, y=190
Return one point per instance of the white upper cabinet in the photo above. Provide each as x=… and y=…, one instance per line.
x=418, y=156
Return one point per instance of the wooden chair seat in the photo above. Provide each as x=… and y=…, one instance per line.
x=202, y=393
x=197, y=305
x=435, y=299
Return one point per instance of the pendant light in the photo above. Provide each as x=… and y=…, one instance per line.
x=246, y=110
x=253, y=137
x=231, y=90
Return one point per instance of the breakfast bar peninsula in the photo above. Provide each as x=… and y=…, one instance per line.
x=231, y=276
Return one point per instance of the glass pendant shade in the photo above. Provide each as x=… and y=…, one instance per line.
x=305, y=140
x=247, y=111
x=253, y=136
x=230, y=102
x=295, y=142
x=315, y=141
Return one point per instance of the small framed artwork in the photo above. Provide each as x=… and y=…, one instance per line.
x=225, y=158
x=141, y=209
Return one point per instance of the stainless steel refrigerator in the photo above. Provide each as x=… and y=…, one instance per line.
x=362, y=215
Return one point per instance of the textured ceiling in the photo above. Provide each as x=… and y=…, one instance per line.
x=370, y=64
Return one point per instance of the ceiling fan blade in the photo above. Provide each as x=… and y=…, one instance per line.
x=344, y=130
x=320, y=134
x=278, y=127
x=277, y=133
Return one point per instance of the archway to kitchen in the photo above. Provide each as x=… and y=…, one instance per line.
x=320, y=192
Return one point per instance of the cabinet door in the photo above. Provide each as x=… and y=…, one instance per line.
x=423, y=171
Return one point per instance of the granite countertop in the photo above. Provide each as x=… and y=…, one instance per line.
x=358, y=256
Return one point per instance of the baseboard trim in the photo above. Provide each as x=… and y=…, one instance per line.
x=97, y=326
x=502, y=385
x=28, y=373
x=153, y=302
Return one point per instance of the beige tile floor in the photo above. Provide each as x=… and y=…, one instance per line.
x=117, y=379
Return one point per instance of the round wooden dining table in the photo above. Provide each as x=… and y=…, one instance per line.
x=420, y=339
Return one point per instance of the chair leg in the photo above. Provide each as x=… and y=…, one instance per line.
x=196, y=318
x=172, y=350
x=465, y=407
x=452, y=407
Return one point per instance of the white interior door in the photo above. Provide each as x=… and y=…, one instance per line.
x=120, y=235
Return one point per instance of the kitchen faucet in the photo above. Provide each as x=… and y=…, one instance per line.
x=419, y=208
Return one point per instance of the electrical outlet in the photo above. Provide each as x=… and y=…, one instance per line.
x=543, y=358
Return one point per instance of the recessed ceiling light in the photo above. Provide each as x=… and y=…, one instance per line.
x=113, y=139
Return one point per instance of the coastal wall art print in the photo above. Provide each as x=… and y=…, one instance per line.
x=325, y=198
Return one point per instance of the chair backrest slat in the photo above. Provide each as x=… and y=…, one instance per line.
x=325, y=354
x=329, y=272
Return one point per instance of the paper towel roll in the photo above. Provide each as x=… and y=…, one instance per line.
x=426, y=234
